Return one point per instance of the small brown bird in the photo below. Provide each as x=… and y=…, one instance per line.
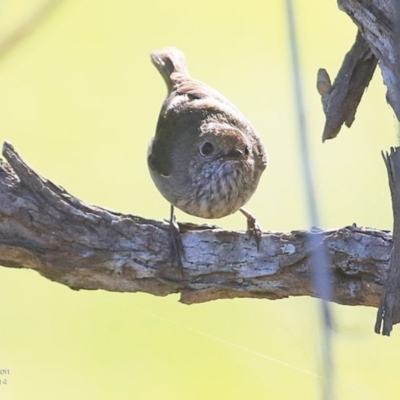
x=206, y=159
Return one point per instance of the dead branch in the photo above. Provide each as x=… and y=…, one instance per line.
x=389, y=307
x=340, y=100
x=44, y=228
x=377, y=40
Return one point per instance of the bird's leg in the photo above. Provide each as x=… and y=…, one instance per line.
x=176, y=245
x=253, y=227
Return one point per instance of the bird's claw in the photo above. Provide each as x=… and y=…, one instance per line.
x=253, y=227
x=176, y=245
x=254, y=230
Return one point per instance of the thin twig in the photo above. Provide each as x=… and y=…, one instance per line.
x=27, y=24
x=320, y=272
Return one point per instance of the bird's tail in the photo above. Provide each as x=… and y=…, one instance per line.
x=169, y=61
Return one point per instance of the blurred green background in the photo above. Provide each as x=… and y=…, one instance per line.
x=79, y=100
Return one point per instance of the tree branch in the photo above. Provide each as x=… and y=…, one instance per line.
x=44, y=228
x=389, y=307
x=377, y=41
x=340, y=100
x=377, y=21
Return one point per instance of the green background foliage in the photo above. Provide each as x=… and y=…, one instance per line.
x=79, y=100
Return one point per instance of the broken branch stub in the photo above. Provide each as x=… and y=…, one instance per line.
x=340, y=100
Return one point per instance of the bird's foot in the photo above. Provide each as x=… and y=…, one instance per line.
x=253, y=227
x=176, y=245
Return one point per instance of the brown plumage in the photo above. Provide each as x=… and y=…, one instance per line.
x=206, y=159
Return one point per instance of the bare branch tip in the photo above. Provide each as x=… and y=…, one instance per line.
x=7, y=148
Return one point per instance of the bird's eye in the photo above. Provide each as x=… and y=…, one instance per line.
x=246, y=150
x=206, y=149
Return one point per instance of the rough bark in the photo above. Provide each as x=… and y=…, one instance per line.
x=44, y=228
x=378, y=39
x=389, y=307
x=378, y=20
